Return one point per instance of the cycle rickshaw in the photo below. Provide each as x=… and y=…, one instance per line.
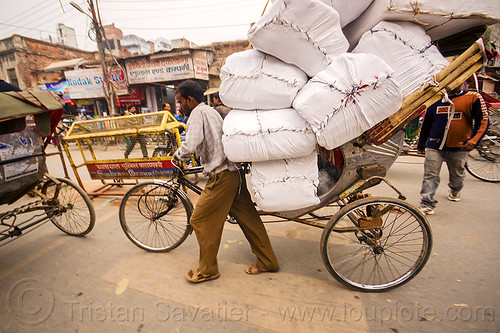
x=368, y=243
x=23, y=170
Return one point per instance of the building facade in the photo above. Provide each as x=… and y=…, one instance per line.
x=136, y=45
x=66, y=35
x=158, y=73
x=162, y=44
x=23, y=60
x=113, y=39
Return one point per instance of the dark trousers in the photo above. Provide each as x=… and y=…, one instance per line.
x=226, y=192
x=133, y=141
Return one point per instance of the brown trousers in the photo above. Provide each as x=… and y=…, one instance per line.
x=226, y=192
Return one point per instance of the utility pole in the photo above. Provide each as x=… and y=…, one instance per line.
x=109, y=91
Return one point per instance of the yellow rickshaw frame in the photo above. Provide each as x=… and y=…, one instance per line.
x=81, y=131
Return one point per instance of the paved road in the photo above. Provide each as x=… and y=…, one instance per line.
x=50, y=282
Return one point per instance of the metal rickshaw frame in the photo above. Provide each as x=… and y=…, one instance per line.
x=83, y=132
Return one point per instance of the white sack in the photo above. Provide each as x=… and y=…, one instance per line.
x=283, y=185
x=442, y=18
x=407, y=49
x=252, y=136
x=305, y=33
x=349, y=97
x=254, y=80
x=348, y=10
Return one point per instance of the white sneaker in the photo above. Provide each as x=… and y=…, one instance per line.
x=454, y=196
x=426, y=210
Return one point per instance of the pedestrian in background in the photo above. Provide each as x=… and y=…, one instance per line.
x=134, y=122
x=219, y=106
x=452, y=127
x=225, y=192
x=165, y=107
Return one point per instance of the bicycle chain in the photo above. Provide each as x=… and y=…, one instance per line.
x=30, y=207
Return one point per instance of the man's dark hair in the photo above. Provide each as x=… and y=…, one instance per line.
x=214, y=96
x=130, y=107
x=189, y=88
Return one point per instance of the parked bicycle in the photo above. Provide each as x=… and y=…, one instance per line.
x=484, y=162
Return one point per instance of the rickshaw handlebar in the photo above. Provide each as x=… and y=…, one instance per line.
x=186, y=171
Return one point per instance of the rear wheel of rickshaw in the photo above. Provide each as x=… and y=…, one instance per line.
x=376, y=244
x=155, y=217
x=72, y=211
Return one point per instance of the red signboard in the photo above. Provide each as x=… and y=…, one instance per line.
x=130, y=170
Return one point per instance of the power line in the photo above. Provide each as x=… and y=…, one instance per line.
x=27, y=12
x=34, y=29
x=56, y=16
x=169, y=14
x=210, y=5
x=188, y=28
x=164, y=1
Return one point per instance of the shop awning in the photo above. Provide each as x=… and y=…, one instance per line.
x=66, y=64
x=211, y=91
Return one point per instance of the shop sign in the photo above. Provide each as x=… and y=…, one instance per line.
x=159, y=70
x=58, y=87
x=88, y=83
x=130, y=170
x=135, y=97
x=119, y=82
x=200, y=65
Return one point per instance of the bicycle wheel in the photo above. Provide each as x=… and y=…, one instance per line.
x=102, y=143
x=121, y=143
x=325, y=213
x=483, y=162
x=155, y=217
x=73, y=211
x=376, y=244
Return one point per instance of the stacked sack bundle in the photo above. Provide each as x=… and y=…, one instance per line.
x=348, y=10
x=263, y=129
x=279, y=115
x=288, y=184
x=304, y=33
x=255, y=80
x=408, y=49
x=262, y=135
x=354, y=93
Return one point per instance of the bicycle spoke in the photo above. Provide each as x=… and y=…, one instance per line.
x=156, y=219
x=377, y=258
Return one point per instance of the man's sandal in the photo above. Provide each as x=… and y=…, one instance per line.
x=195, y=276
x=256, y=269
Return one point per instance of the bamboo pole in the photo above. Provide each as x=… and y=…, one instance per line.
x=452, y=76
x=471, y=51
